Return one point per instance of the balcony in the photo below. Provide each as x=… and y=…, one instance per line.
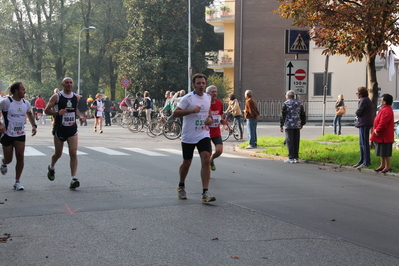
x=217, y=17
x=220, y=59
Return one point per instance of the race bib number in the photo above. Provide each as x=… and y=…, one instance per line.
x=68, y=119
x=200, y=123
x=99, y=113
x=17, y=129
x=216, y=121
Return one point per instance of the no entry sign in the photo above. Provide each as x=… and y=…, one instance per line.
x=125, y=83
x=296, y=76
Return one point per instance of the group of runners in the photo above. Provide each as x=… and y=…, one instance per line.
x=201, y=109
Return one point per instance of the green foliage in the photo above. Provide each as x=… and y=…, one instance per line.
x=155, y=53
x=340, y=150
x=222, y=83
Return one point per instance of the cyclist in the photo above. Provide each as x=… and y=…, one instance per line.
x=125, y=105
x=214, y=129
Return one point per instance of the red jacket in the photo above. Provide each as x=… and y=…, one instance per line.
x=383, y=124
x=40, y=103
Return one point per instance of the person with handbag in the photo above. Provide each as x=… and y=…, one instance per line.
x=340, y=110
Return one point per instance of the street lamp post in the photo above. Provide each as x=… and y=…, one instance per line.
x=189, y=69
x=80, y=32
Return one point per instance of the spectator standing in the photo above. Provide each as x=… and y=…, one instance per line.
x=148, y=106
x=82, y=107
x=251, y=113
x=293, y=118
x=339, y=112
x=89, y=102
x=107, y=111
x=214, y=129
x=40, y=105
x=383, y=134
x=32, y=104
x=14, y=109
x=364, y=121
x=195, y=107
x=63, y=106
x=235, y=109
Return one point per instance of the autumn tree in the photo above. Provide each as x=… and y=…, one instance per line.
x=358, y=29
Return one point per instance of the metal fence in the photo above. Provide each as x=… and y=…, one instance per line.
x=270, y=110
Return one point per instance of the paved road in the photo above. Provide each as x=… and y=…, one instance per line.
x=127, y=213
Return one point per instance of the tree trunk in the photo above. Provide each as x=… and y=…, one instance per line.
x=373, y=84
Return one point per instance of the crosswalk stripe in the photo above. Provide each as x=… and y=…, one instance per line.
x=107, y=151
x=30, y=151
x=175, y=151
x=65, y=150
x=145, y=152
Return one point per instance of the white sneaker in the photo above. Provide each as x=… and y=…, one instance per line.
x=3, y=169
x=296, y=161
x=289, y=161
x=207, y=197
x=181, y=193
x=18, y=186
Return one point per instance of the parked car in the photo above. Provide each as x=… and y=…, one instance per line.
x=115, y=108
x=395, y=108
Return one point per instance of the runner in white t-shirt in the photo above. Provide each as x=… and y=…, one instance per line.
x=14, y=109
x=195, y=107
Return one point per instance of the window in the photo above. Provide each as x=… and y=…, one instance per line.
x=319, y=84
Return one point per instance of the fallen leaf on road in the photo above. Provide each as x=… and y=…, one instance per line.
x=264, y=257
x=215, y=238
x=134, y=228
x=333, y=220
x=235, y=257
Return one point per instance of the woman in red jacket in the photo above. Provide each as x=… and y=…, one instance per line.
x=383, y=133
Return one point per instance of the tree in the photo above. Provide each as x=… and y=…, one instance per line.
x=223, y=85
x=154, y=55
x=355, y=28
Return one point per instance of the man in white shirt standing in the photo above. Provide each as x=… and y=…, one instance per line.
x=195, y=107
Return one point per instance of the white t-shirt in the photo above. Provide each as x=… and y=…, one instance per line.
x=194, y=128
x=14, y=119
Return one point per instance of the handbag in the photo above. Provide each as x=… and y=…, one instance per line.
x=340, y=110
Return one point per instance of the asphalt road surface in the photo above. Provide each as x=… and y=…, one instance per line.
x=126, y=211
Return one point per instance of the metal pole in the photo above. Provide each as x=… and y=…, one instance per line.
x=189, y=46
x=325, y=93
x=80, y=32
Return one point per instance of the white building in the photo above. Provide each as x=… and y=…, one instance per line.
x=344, y=78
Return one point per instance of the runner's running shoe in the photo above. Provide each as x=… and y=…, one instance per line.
x=74, y=183
x=207, y=197
x=101, y=131
x=18, y=186
x=181, y=193
x=213, y=166
x=50, y=174
x=3, y=169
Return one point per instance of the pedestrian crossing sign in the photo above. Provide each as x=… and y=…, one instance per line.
x=297, y=42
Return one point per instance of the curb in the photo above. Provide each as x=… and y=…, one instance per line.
x=336, y=167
